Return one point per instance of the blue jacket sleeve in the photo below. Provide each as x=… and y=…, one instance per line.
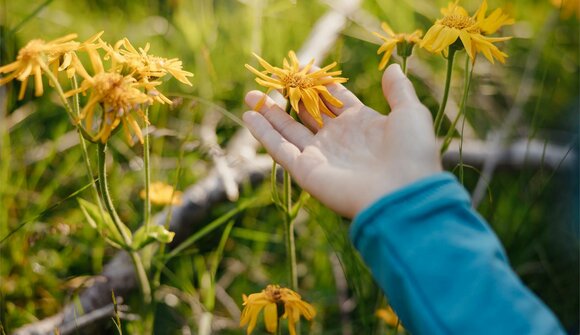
x=442, y=268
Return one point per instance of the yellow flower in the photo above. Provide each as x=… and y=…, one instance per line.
x=568, y=7
x=275, y=300
x=390, y=318
x=491, y=24
x=145, y=67
x=459, y=30
x=162, y=194
x=119, y=97
x=403, y=42
x=34, y=57
x=298, y=85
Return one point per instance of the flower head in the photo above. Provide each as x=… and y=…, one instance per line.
x=34, y=58
x=120, y=98
x=459, y=30
x=301, y=85
x=568, y=7
x=403, y=42
x=162, y=194
x=277, y=302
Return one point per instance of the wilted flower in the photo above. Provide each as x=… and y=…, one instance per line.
x=459, y=30
x=403, y=42
x=34, y=58
x=277, y=302
x=298, y=85
x=162, y=194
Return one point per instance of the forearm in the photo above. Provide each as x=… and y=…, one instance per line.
x=442, y=268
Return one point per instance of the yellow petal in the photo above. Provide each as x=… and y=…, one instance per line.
x=271, y=317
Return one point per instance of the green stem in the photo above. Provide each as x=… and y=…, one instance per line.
x=289, y=225
x=463, y=111
x=441, y=111
x=404, y=66
x=147, y=210
x=137, y=262
x=462, y=106
x=83, y=143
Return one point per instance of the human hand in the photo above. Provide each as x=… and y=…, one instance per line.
x=357, y=157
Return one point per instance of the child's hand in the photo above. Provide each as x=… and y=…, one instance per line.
x=357, y=157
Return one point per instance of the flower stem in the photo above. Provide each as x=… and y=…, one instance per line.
x=147, y=166
x=462, y=107
x=404, y=66
x=441, y=112
x=121, y=228
x=289, y=223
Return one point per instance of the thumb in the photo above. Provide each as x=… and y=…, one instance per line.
x=397, y=88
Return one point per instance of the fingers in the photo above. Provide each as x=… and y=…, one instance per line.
x=293, y=131
x=345, y=96
x=397, y=88
x=283, y=152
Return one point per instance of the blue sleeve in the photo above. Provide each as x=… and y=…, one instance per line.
x=442, y=268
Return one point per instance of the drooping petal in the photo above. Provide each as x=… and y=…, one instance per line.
x=271, y=317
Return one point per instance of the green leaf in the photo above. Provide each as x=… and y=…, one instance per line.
x=146, y=235
x=102, y=222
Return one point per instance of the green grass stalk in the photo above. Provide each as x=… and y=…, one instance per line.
x=441, y=112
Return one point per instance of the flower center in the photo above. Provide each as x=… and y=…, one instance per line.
x=298, y=80
x=31, y=50
x=274, y=293
x=460, y=22
x=115, y=92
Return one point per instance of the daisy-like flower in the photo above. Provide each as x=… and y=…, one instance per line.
x=568, y=7
x=120, y=97
x=390, y=318
x=275, y=300
x=162, y=194
x=34, y=58
x=459, y=30
x=301, y=85
x=403, y=42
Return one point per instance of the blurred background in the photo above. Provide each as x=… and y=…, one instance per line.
x=49, y=254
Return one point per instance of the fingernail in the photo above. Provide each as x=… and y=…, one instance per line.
x=255, y=101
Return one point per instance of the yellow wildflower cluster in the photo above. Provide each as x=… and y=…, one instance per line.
x=455, y=29
x=277, y=302
x=118, y=94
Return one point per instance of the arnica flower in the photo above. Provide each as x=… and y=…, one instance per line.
x=36, y=56
x=162, y=194
x=145, y=67
x=277, y=302
x=301, y=85
x=459, y=30
x=403, y=42
x=119, y=97
x=389, y=317
x=568, y=7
